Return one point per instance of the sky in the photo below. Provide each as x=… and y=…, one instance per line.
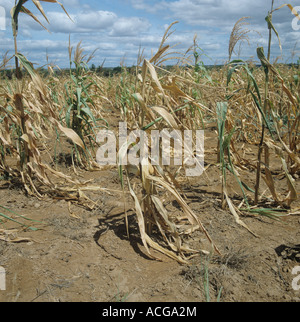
x=117, y=29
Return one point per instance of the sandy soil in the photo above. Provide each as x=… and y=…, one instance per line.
x=81, y=255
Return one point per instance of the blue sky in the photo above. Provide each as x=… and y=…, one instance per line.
x=117, y=28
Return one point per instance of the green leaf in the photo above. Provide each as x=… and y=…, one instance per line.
x=262, y=113
x=15, y=15
x=26, y=64
x=74, y=79
x=237, y=179
x=88, y=112
x=274, y=214
x=68, y=115
x=227, y=139
x=263, y=59
x=236, y=64
x=78, y=93
x=11, y=219
x=241, y=63
x=222, y=108
x=21, y=216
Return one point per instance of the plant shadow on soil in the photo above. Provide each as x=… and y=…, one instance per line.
x=88, y=257
x=118, y=227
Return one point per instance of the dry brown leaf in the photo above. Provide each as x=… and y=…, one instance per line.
x=71, y=134
x=167, y=116
x=235, y=214
x=11, y=236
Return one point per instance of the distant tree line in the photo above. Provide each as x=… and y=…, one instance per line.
x=110, y=71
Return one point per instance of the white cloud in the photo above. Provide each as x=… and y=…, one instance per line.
x=129, y=27
x=90, y=22
x=96, y=20
x=119, y=30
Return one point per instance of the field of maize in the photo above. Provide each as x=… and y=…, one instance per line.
x=72, y=229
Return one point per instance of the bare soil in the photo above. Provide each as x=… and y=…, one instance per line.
x=81, y=255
